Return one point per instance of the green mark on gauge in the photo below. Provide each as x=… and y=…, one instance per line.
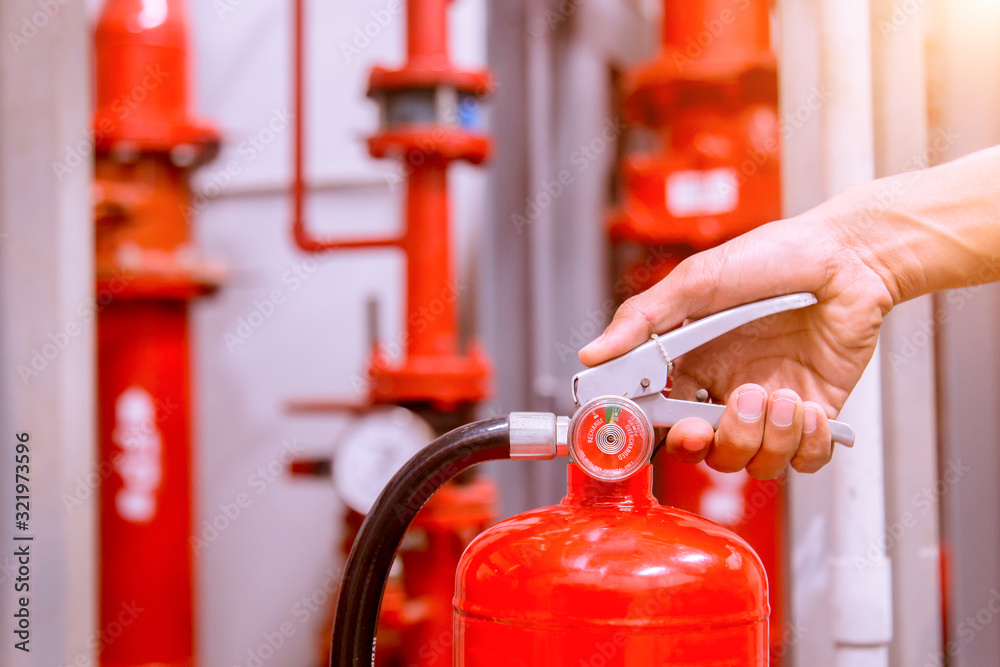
x=611, y=413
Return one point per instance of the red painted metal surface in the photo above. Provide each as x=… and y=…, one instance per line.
x=141, y=51
x=753, y=509
x=715, y=50
x=610, y=578
x=146, y=270
x=423, y=126
x=710, y=97
x=146, y=561
x=717, y=178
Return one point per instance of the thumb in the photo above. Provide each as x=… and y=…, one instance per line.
x=664, y=306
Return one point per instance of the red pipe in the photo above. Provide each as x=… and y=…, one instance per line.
x=147, y=564
x=427, y=32
x=430, y=299
x=300, y=233
x=146, y=275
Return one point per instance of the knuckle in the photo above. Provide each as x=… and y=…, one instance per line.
x=811, y=460
x=724, y=465
x=803, y=465
x=744, y=444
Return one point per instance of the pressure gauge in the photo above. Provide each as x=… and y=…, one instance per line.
x=610, y=438
x=373, y=449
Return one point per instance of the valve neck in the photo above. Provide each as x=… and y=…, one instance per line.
x=587, y=491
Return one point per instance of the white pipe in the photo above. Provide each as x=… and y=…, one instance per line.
x=908, y=388
x=541, y=230
x=861, y=593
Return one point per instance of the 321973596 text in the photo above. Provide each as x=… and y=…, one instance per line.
x=22, y=543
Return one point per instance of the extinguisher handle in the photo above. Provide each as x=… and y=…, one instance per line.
x=665, y=412
x=644, y=370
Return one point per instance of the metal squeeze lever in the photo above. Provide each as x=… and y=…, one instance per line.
x=621, y=400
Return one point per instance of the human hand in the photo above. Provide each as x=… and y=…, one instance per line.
x=763, y=370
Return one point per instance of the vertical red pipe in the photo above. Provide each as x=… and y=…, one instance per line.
x=146, y=144
x=430, y=296
x=427, y=32
x=146, y=560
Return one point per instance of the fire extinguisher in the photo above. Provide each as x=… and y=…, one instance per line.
x=608, y=576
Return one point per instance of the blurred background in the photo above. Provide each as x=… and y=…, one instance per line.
x=323, y=232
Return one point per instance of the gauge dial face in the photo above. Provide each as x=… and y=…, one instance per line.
x=374, y=448
x=610, y=438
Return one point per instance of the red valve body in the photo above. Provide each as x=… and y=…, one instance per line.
x=610, y=578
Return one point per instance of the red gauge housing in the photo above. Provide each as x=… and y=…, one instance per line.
x=609, y=577
x=610, y=438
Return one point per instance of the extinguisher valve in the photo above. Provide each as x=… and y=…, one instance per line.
x=611, y=438
x=538, y=436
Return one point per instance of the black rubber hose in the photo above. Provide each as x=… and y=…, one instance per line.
x=360, y=597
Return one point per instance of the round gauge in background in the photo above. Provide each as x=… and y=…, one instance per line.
x=373, y=448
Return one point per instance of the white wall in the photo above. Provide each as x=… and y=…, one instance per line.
x=284, y=546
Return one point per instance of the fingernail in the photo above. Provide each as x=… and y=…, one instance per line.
x=782, y=412
x=750, y=405
x=810, y=420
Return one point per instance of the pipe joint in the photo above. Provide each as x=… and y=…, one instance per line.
x=538, y=436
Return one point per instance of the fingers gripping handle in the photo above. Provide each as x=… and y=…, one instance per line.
x=667, y=412
x=643, y=371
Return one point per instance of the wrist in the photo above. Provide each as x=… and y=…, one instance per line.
x=866, y=227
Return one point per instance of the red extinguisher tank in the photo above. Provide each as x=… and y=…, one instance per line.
x=610, y=578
